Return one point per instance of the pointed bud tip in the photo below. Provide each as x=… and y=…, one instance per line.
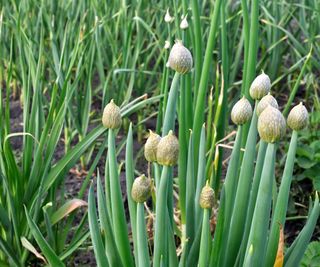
x=298, y=117
x=265, y=102
x=271, y=125
x=111, y=117
x=150, y=148
x=260, y=86
x=141, y=189
x=206, y=200
x=168, y=150
x=241, y=111
x=180, y=58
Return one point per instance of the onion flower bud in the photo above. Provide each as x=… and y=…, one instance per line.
x=166, y=44
x=265, y=102
x=184, y=23
x=141, y=189
x=111, y=118
x=260, y=86
x=298, y=117
x=271, y=125
x=150, y=148
x=167, y=17
x=206, y=197
x=180, y=58
x=241, y=111
x=168, y=150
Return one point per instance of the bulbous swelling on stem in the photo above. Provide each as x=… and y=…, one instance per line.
x=180, y=58
x=150, y=148
x=260, y=86
x=241, y=111
x=111, y=118
x=298, y=117
x=271, y=125
x=168, y=150
x=206, y=197
x=141, y=189
x=265, y=102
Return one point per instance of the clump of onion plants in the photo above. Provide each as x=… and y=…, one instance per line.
x=249, y=219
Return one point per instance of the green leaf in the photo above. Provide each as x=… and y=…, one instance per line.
x=74, y=245
x=311, y=257
x=316, y=183
x=50, y=255
x=305, y=151
x=315, y=145
x=106, y=226
x=100, y=255
x=305, y=163
x=8, y=251
x=296, y=251
x=74, y=154
x=313, y=172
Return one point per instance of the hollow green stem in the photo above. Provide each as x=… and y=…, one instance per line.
x=279, y=214
x=169, y=118
x=252, y=46
x=197, y=42
x=129, y=182
x=296, y=85
x=200, y=101
x=157, y=173
x=143, y=252
x=190, y=195
x=253, y=196
x=216, y=243
x=260, y=221
x=118, y=215
x=242, y=196
x=230, y=186
x=161, y=220
x=205, y=239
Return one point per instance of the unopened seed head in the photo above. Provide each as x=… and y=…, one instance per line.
x=150, y=148
x=167, y=17
x=168, y=150
x=111, y=118
x=260, y=86
x=206, y=197
x=271, y=125
x=180, y=58
x=184, y=23
x=265, y=102
x=141, y=189
x=166, y=44
x=298, y=117
x=241, y=111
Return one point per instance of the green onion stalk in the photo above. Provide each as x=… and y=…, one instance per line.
x=297, y=120
x=271, y=127
x=112, y=120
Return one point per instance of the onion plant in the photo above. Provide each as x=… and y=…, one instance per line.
x=248, y=227
x=63, y=60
